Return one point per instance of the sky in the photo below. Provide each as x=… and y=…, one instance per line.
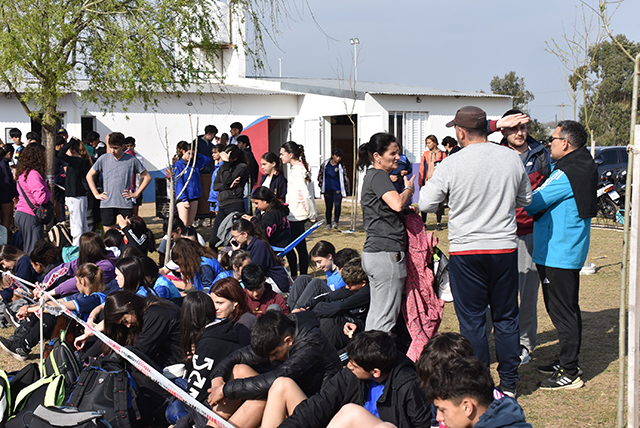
x=452, y=44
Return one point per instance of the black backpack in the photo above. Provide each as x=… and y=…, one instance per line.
x=62, y=360
x=60, y=236
x=5, y=397
x=107, y=385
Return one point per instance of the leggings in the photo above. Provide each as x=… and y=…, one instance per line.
x=297, y=229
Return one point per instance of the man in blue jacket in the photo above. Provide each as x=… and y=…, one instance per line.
x=562, y=208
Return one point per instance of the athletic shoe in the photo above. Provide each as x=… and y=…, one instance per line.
x=15, y=348
x=10, y=316
x=562, y=380
x=438, y=226
x=509, y=392
x=327, y=226
x=524, y=355
x=550, y=369
x=335, y=225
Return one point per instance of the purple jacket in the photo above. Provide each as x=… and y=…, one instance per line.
x=69, y=286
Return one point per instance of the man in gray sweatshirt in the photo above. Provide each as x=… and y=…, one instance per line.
x=484, y=184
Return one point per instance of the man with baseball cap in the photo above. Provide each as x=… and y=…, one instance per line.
x=483, y=267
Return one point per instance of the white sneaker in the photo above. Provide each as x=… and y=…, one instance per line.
x=524, y=355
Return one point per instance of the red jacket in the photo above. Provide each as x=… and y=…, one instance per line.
x=269, y=297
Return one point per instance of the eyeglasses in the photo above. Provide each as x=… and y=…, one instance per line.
x=550, y=139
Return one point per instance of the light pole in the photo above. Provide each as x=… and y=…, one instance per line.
x=355, y=42
x=280, y=65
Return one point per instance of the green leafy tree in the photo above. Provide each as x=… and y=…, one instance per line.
x=608, y=100
x=116, y=51
x=512, y=85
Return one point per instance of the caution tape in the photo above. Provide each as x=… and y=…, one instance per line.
x=137, y=362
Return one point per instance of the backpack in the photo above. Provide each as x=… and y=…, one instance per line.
x=60, y=236
x=48, y=391
x=62, y=360
x=107, y=385
x=5, y=397
x=52, y=417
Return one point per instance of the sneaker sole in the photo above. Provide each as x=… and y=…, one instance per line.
x=13, y=354
x=574, y=385
x=549, y=372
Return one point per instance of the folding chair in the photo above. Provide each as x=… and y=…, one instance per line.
x=281, y=252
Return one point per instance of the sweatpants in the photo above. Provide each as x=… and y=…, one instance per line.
x=387, y=272
x=333, y=199
x=77, y=217
x=32, y=230
x=560, y=288
x=481, y=282
x=304, y=289
x=297, y=229
x=528, y=285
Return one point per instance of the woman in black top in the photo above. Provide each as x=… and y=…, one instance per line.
x=78, y=165
x=230, y=182
x=273, y=177
x=8, y=189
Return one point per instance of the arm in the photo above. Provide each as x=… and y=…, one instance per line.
x=92, y=185
x=145, y=179
x=347, y=302
x=523, y=198
x=223, y=178
x=555, y=189
x=62, y=153
x=434, y=191
x=39, y=190
x=397, y=201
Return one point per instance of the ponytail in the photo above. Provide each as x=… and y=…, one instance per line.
x=364, y=159
x=93, y=274
x=297, y=150
x=379, y=143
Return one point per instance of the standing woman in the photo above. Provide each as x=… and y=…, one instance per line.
x=78, y=165
x=430, y=160
x=273, y=177
x=7, y=187
x=302, y=205
x=31, y=184
x=187, y=173
x=230, y=181
x=383, y=255
x=334, y=184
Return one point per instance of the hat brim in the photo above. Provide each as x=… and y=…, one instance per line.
x=451, y=124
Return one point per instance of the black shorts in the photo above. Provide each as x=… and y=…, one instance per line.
x=138, y=202
x=108, y=215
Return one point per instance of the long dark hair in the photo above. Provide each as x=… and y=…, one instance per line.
x=6, y=149
x=265, y=194
x=196, y=313
x=379, y=143
x=91, y=248
x=11, y=253
x=133, y=273
x=230, y=289
x=297, y=150
x=274, y=159
x=117, y=305
x=32, y=157
x=185, y=253
x=139, y=228
x=243, y=225
x=236, y=155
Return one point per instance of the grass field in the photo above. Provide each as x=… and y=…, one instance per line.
x=592, y=406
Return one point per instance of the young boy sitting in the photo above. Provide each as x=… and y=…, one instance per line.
x=260, y=295
x=463, y=393
x=281, y=346
x=378, y=378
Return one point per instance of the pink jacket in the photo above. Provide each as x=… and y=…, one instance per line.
x=36, y=189
x=422, y=308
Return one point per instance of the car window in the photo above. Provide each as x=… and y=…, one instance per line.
x=623, y=156
x=608, y=157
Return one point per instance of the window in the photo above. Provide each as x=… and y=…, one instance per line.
x=410, y=129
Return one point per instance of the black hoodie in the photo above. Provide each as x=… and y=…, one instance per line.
x=217, y=341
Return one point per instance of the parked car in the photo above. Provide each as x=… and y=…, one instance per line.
x=611, y=157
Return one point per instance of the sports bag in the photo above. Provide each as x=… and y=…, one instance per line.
x=62, y=360
x=106, y=385
x=60, y=236
x=5, y=397
x=53, y=417
x=44, y=213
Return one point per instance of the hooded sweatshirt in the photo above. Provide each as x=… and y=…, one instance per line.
x=505, y=412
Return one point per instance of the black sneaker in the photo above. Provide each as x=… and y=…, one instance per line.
x=10, y=316
x=550, y=369
x=562, y=380
x=15, y=348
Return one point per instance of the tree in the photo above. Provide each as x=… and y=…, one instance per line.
x=116, y=51
x=609, y=97
x=512, y=85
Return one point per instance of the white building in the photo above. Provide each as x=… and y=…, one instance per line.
x=314, y=112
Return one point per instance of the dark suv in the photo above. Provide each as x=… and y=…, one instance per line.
x=609, y=157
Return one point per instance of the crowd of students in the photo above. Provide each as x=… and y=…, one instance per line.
x=261, y=346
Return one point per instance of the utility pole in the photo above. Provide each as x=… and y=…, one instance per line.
x=563, y=105
x=280, y=65
x=355, y=42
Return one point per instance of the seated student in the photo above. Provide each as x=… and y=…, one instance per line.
x=194, y=273
x=260, y=295
x=271, y=216
x=343, y=256
x=281, y=346
x=90, y=250
x=230, y=303
x=239, y=259
x=114, y=241
x=304, y=288
x=151, y=325
x=137, y=234
x=90, y=282
x=130, y=276
x=379, y=383
x=161, y=284
x=463, y=393
x=225, y=266
x=176, y=232
x=204, y=340
x=345, y=306
x=248, y=236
